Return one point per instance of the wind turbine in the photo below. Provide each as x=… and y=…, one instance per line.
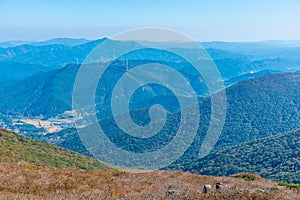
x=167, y=85
x=126, y=65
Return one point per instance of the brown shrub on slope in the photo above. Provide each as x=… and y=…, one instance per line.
x=23, y=181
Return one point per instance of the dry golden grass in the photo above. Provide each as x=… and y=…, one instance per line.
x=46, y=178
x=26, y=181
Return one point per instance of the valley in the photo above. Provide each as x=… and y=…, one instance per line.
x=62, y=121
x=262, y=98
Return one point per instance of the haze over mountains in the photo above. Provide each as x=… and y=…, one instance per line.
x=20, y=67
x=262, y=83
x=59, y=52
x=63, y=41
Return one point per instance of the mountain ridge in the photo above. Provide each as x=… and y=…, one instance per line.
x=17, y=148
x=275, y=157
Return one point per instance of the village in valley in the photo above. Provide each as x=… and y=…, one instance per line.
x=38, y=125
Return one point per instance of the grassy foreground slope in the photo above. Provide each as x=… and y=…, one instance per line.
x=23, y=181
x=30, y=169
x=18, y=148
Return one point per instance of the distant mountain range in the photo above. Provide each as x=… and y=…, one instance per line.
x=63, y=41
x=13, y=43
x=46, y=93
x=231, y=46
x=14, y=71
x=48, y=55
x=28, y=96
x=21, y=69
x=250, y=46
x=232, y=59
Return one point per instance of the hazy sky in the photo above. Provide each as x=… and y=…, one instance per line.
x=203, y=20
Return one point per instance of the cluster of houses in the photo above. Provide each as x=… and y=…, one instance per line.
x=22, y=125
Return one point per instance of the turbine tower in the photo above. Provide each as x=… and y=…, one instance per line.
x=126, y=65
